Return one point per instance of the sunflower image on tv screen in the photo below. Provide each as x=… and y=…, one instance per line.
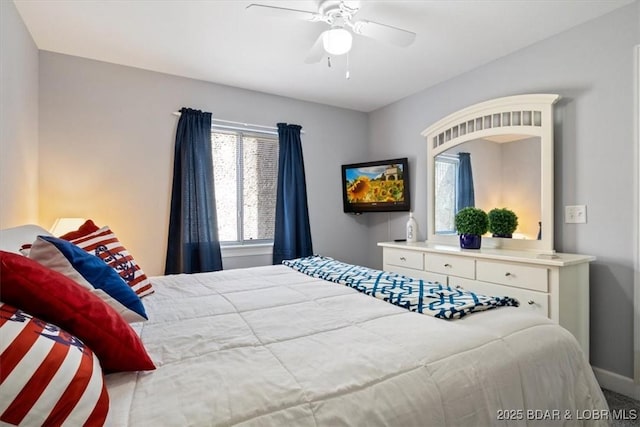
x=381, y=184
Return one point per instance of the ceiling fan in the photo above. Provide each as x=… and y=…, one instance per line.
x=340, y=16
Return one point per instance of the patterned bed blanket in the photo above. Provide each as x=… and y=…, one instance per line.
x=417, y=295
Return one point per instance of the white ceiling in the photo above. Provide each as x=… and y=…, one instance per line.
x=221, y=42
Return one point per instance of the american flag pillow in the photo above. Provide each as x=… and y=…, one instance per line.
x=106, y=246
x=48, y=376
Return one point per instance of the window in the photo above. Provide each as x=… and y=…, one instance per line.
x=446, y=173
x=245, y=175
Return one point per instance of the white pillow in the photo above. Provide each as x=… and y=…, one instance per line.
x=12, y=239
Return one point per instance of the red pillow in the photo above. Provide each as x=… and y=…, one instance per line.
x=56, y=299
x=87, y=228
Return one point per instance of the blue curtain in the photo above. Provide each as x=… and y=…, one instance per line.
x=292, y=236
x=466, y=196
x=193, y=245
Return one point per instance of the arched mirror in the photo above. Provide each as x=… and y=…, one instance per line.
x=496, y=154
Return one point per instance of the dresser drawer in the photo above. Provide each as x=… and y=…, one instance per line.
x=416, y=274
x=407, y=259
x=435, y=278
x=532, y=301
x=450, y=265
x=510, y=274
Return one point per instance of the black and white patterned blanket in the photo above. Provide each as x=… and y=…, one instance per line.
x=417, y=295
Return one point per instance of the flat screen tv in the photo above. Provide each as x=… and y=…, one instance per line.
x=380, y=186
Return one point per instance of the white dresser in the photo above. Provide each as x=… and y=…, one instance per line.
x=556, y=287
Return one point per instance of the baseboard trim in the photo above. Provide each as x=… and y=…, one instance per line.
x=618, y=383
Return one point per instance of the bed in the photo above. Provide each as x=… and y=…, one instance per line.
x=270, y=346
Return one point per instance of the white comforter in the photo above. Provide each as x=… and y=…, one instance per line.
x=270, y=346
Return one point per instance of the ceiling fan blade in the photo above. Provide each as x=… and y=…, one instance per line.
x=351, y=5
x=283, y=12
x=385, y=33
x=317, y=51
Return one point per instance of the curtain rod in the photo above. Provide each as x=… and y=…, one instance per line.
x=220, y=123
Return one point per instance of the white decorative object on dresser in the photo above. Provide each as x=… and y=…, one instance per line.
x=555, y=286
x=509, y=142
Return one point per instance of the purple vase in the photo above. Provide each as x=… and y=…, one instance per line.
x=470, y=241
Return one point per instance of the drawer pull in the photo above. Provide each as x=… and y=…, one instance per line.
x=459, y=287
x=447, y=265
x=402, y=258
x=507, y=274
x=531, y=302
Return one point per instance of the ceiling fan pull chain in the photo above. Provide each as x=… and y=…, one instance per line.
x=347, y=74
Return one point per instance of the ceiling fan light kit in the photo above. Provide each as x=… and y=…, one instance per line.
x=337, y=41
x=340, y=15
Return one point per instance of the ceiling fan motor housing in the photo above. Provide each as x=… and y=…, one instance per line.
x=338, y=10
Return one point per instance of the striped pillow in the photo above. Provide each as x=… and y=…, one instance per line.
x=48, y=376
x=106, y=246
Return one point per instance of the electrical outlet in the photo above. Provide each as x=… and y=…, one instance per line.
x=575, y=214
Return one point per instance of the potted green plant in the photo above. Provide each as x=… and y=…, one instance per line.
x=471, y=223
x=502, y=222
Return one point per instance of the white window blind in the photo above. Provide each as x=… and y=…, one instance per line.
x=245, y=174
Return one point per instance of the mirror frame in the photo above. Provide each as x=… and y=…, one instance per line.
x=484, y=120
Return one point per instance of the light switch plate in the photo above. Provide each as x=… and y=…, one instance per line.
x=576, y=214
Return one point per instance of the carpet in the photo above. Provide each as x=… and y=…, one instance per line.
x=624, y=410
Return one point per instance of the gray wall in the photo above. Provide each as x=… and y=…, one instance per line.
x=106, y=144
x=18, y=120
x=591, y=67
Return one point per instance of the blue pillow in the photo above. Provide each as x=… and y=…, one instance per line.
x=90, y=272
